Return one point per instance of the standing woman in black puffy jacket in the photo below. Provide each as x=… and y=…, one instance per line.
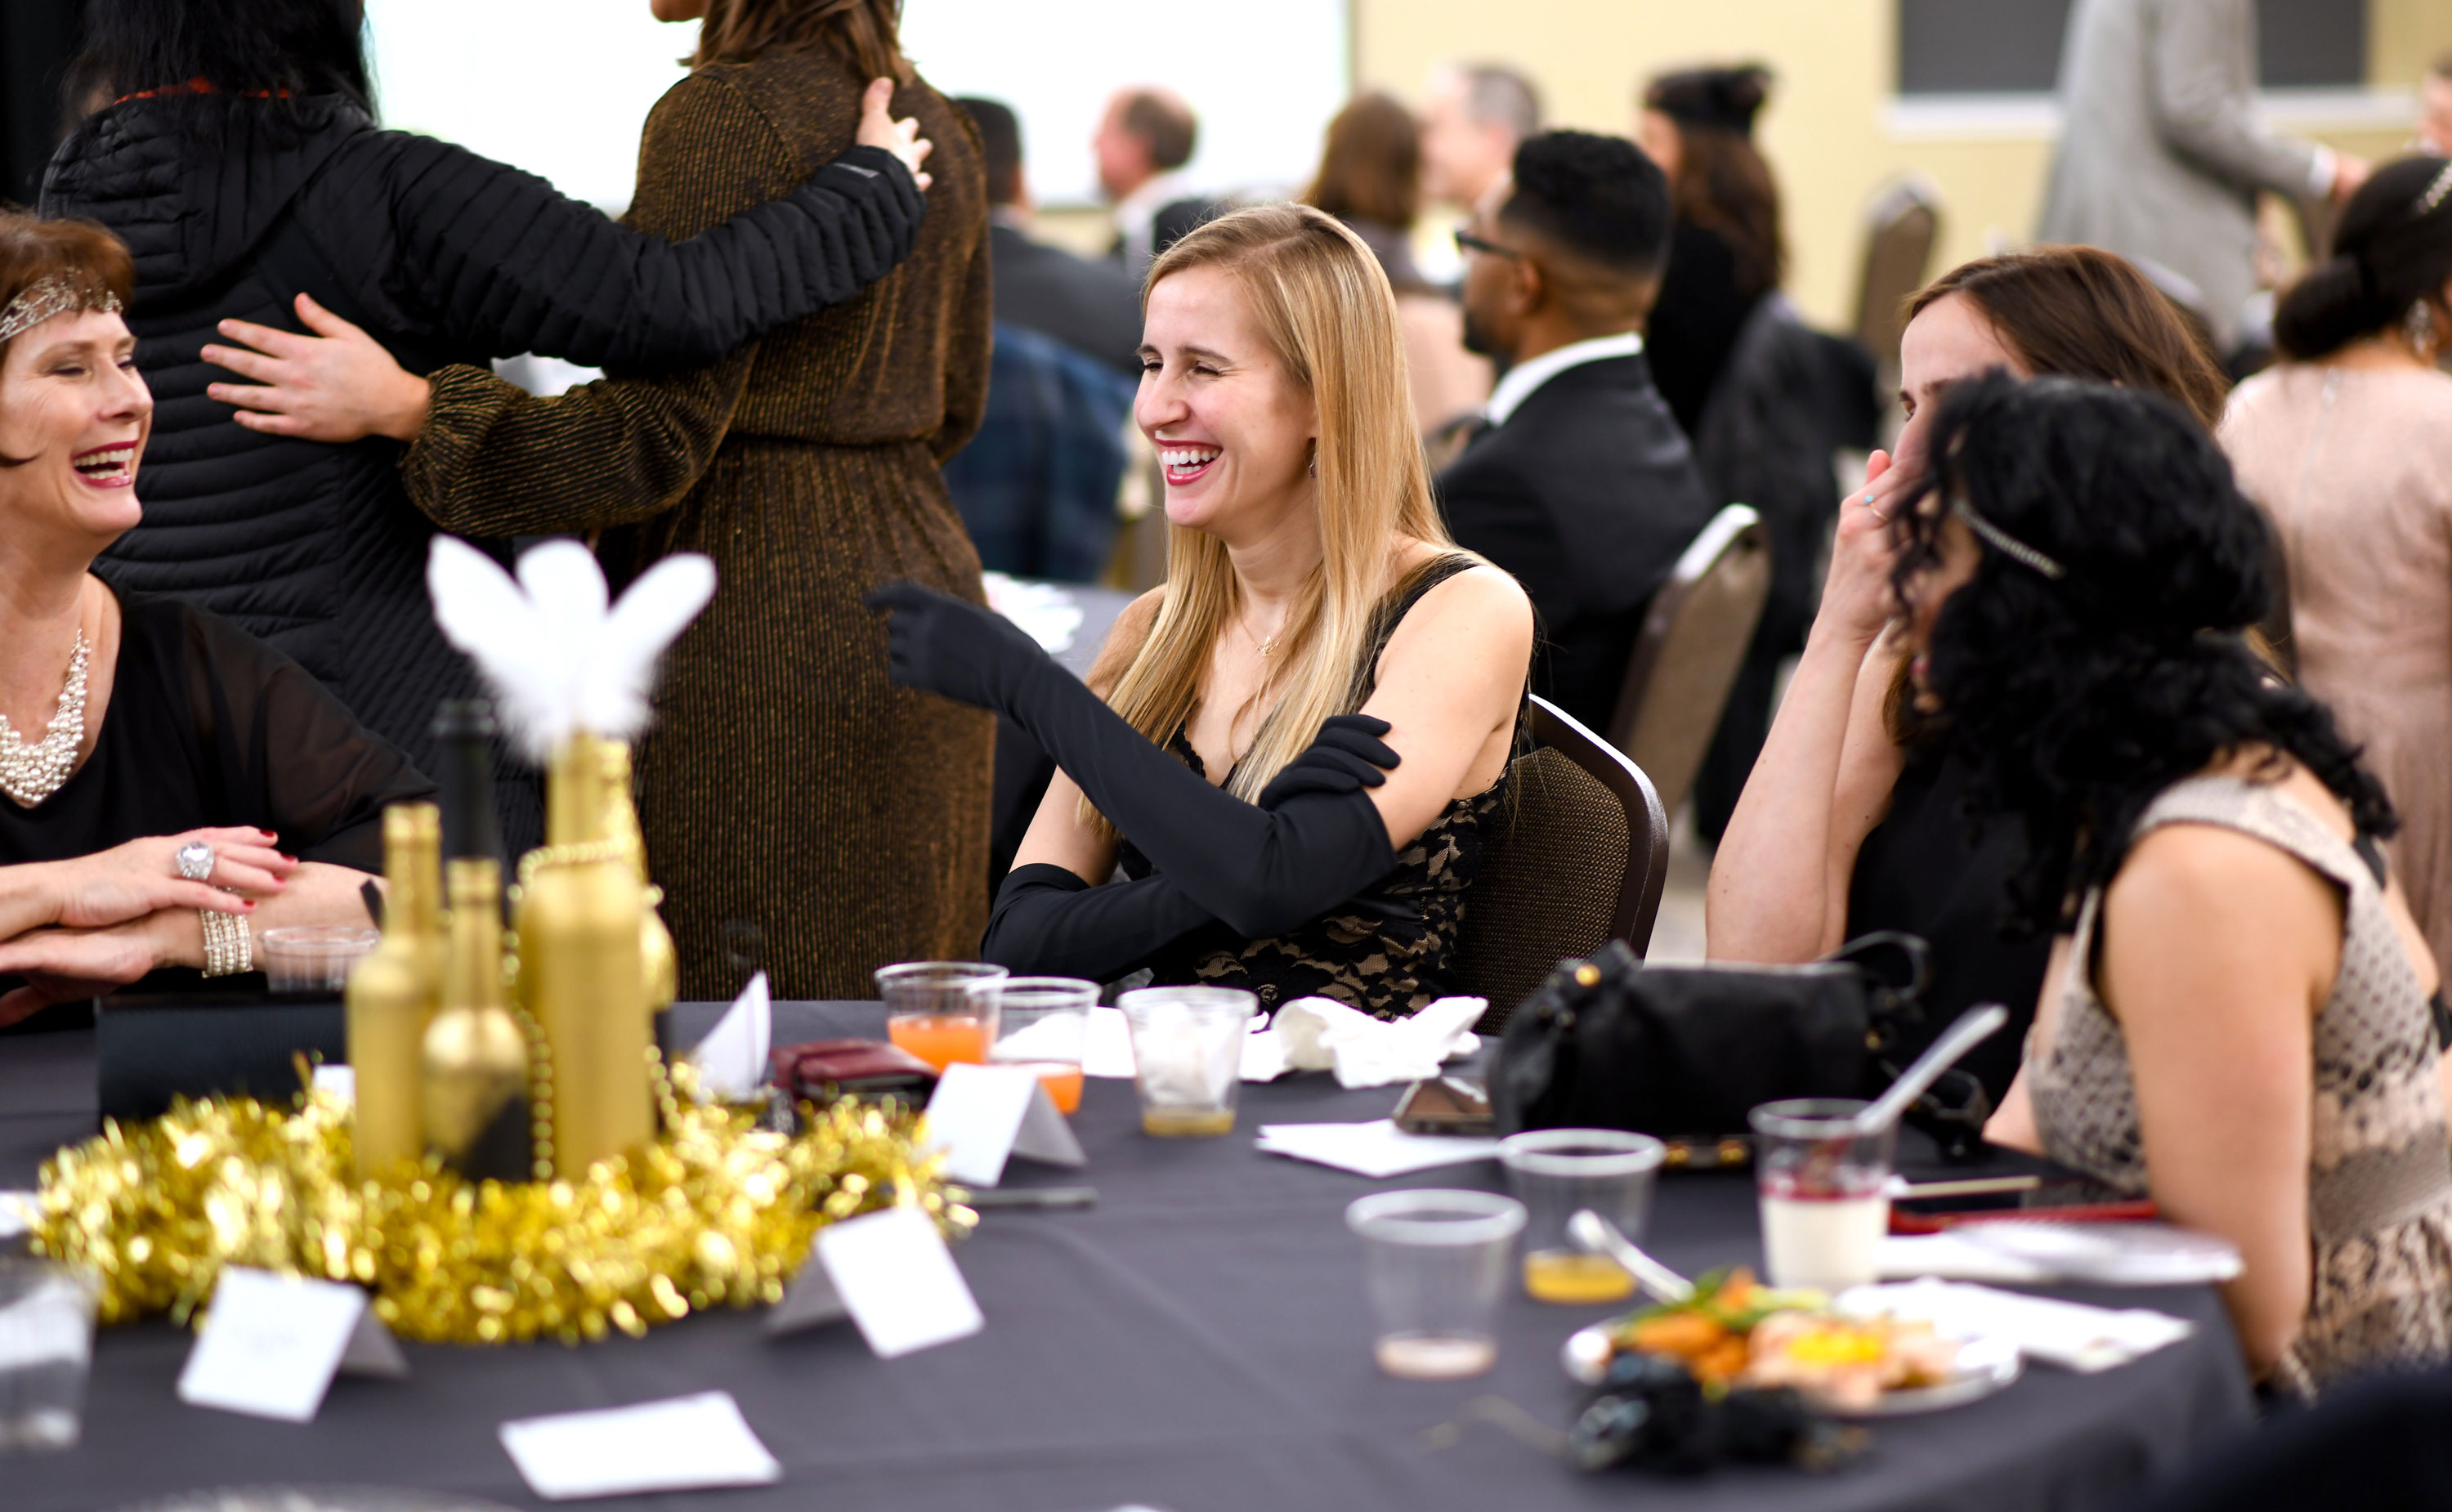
x=239, y=160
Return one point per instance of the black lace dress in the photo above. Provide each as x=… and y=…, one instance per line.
x=1391, y=950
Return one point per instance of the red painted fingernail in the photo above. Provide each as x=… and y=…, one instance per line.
x=286, y=856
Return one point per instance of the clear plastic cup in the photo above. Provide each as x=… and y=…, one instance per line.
x=313, y=958
x=1434, y=1263
x=1821, y=1184
x=45, y=1348
x=1557, y=1171
x=942, y=1012
x=1188, y=1056
x=1043, y=1022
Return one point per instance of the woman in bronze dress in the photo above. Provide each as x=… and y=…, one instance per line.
x=784, y=782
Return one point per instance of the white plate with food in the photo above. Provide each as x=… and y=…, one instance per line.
x=1735, y=1332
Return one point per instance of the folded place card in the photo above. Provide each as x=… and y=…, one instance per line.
x=732, y=1059
x=981, y=1114
x=18, y=1211
x=1107, y=1047
x=893, y=1274
x=271, y=1345
x=1376, y=1149
x=682, y=1445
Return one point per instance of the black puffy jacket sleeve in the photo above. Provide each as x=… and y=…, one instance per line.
x=489, y=258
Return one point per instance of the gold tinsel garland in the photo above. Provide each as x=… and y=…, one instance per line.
x=715, y=1212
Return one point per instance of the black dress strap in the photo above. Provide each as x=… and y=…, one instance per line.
x=1397, y=605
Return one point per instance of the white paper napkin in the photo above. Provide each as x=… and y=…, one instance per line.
x=2069, y=1334
x=678, y=1444
x=1043, y=609
x=1321, y=1034
x=2027, y=1251
x=1107, y=1048
x=1377, y=1149
x=732, y=1059
x=18, y=1211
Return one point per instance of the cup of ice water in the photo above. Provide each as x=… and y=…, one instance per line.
x=1188, y=1056
x=313, y=959
x=1821, y=1184
x=46, y=1346
x=1434, y=1263
x=1557, y=1171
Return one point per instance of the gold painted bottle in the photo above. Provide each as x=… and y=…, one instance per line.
x=476, y=1105
x=580, y=969
x=394, y=991
x=659, y=965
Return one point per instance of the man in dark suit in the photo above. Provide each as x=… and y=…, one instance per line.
x=1580, y=483
x=1090, y=306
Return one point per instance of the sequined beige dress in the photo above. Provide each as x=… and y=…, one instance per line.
x=2380, y=1172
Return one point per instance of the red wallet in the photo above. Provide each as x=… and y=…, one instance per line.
x=823, y=1070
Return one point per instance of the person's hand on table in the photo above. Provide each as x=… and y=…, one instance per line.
x=878, y=128
x=339, y=385
x=139, y=878
x=1857, y=595
x=61, y=965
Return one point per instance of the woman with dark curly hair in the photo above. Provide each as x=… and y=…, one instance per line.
x=2237, y=1020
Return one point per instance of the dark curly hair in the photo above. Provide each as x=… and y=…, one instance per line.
x=2076, y=699
x=1596, y=196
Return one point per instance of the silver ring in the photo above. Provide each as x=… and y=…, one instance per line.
x=196, y=860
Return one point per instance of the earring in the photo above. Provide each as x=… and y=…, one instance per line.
x=2419, y=329
x=1314, y=469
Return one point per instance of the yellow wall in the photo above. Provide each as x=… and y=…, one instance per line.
x=1826, y=132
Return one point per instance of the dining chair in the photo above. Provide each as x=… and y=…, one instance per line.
x=1691, y=648
x=1577, y=856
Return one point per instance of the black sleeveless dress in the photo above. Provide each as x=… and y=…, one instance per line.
x=1389, y=952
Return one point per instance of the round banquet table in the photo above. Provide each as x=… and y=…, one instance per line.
x=1197, y=1341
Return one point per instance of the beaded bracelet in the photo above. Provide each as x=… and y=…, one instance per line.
x=230, y=950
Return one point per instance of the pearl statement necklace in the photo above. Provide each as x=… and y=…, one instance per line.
x=29, y=773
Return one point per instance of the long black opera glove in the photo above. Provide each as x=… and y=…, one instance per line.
x=1049, y=922
x=1261, y=871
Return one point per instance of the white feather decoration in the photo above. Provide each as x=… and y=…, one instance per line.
x=557, y=658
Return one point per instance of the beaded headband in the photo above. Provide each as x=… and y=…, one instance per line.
x=45, y=298
x=2435, y=192
x=2006, y=543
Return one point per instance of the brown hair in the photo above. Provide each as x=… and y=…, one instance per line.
x=2083, y=313
x=867, y=33
x=1165, y=124
x=1371, y=167
x=1722, y=182
x=91, y=262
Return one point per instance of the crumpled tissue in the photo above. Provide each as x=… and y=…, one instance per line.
x=1320, y=1035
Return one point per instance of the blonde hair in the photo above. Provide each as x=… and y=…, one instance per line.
x=1323, y=305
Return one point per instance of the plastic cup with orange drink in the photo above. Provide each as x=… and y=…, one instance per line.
x=942, y=1012
x=1557, y=1171
x=1042, y=1023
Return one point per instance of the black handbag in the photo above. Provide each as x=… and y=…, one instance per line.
x=1686, y=1051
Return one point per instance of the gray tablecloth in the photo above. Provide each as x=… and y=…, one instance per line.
x=1198, y=1341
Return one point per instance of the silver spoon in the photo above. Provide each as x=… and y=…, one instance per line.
x=1598, y=1236
x=1973, y=1027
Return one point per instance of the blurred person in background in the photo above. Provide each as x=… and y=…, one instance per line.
x=1579, y=482
x=1473, y=120
x=1725, y=251
x=1037, y=486
x=1852, y=821
x=1764, y=398
x=2435, y=109
x=233, y=147
x=1143, y=141
x=1089, y=304
x=2347, y=444
x=2161, y=155
x=783, y=783
x=1370, y=177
